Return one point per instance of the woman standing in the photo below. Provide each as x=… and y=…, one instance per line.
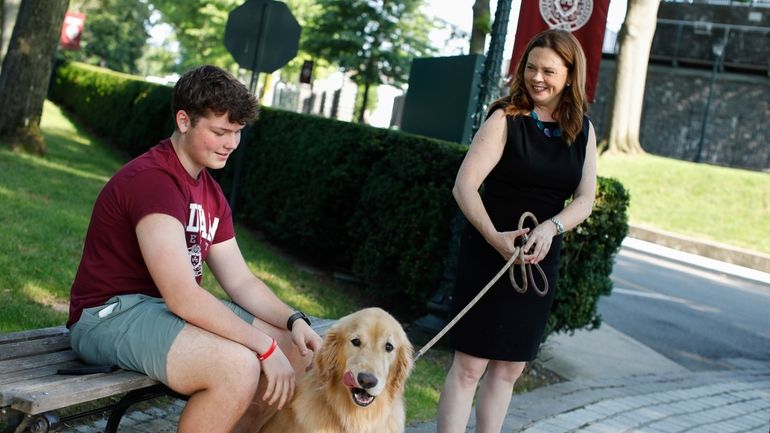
x=535, y=150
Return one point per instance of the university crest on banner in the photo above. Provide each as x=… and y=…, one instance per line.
x=568, y=15
x=586, y=19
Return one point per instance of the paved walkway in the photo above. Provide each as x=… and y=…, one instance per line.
x=705, y=402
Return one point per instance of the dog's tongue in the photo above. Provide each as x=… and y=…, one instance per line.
x=349, y=380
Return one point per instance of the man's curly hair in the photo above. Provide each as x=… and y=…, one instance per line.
x=210, y=89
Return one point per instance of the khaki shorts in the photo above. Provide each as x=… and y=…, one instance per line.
x=134, y=332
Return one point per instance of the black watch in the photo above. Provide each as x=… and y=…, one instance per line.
x=294, y=317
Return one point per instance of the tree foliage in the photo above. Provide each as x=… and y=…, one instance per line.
x=372, y=40
x=114, y=35
x=200, y=29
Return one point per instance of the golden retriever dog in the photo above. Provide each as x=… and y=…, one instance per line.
x=357, y=381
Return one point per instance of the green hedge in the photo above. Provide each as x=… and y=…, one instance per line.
x=371, y=202
x=587, y=257
x=365, y=200
x=132, y=113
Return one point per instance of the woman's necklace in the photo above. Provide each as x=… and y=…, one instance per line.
x=555, y=132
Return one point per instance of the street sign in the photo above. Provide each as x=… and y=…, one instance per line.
x=262, y=35
x=71, y=30
x=306, y=74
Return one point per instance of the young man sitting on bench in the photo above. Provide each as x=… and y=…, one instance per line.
x=136, y=301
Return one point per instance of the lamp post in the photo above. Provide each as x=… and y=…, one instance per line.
x=718, y=49
x=490, y=75
x=439, y=305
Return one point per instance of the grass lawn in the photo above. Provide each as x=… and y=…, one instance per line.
x=721, y=204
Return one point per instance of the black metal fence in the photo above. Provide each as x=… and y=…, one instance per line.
x=741, y=47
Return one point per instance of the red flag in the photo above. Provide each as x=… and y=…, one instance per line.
x=71, y=30
x=586, y=19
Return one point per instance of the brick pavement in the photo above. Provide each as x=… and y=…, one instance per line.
x=732, y=401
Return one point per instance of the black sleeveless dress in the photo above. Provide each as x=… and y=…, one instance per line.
x=536, y=173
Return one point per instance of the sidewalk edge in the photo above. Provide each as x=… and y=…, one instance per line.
x=713, y=250
x=696, y=260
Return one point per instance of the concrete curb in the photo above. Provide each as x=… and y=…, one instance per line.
x=712, y=265
x=704, y=248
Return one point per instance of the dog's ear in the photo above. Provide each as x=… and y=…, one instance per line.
x=326, y=360
x=402, y=366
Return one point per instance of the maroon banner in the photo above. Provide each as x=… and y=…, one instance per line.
x=586, y=19
x=71, y=30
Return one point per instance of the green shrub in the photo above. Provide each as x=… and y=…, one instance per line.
x=372, y=202
x=587, y=257
x=130, y=113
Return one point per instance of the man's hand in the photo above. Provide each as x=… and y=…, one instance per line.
x=305, y=337
x=280, y=378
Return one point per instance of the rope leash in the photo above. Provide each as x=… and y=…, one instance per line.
x=516, y=258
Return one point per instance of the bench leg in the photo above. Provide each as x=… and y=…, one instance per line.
x=47, y=422
x=120, y=408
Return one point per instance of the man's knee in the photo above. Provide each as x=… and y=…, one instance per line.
x=201, y=361
x=240, y=375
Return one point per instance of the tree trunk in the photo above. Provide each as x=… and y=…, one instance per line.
x=2, y=27
x=364, y=101
x=630, y=76
x=27, y=71
x=481, y=26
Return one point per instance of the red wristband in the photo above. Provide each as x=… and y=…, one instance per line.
x=269, y=351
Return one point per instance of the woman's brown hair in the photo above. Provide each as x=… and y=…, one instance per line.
x=572, y=106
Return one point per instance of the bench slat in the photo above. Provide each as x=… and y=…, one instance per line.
x=35, y=347
x=34, y=373
x=43, y=384
x=101, y=386
x=32, y=334
x=11, y=366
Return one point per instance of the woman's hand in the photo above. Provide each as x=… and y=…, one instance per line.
x=505, y=242
x=539, y=242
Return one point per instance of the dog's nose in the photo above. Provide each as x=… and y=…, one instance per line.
x=367, y=380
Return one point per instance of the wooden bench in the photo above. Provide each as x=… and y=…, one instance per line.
x=32, y=393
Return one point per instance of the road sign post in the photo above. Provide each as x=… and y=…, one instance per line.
x=262, y=36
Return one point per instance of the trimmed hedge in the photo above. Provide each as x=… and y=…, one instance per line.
x=363, y=199
x=372, y=202
x=587, y=257
x=132, y=113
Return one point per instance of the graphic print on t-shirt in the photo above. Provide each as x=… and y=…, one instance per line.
x=200, y=236
x=196, y=260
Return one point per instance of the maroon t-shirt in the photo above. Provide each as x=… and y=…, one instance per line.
x=155, y=182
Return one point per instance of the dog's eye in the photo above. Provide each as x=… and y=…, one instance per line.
x=388, y=347
x=356, y=342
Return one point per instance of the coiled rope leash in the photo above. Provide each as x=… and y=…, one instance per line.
x=526, y=272
x=527, y=275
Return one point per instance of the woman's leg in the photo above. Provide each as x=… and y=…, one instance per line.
x=495, y=395
x=454, y=406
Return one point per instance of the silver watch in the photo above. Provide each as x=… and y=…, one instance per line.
x=558, y=224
